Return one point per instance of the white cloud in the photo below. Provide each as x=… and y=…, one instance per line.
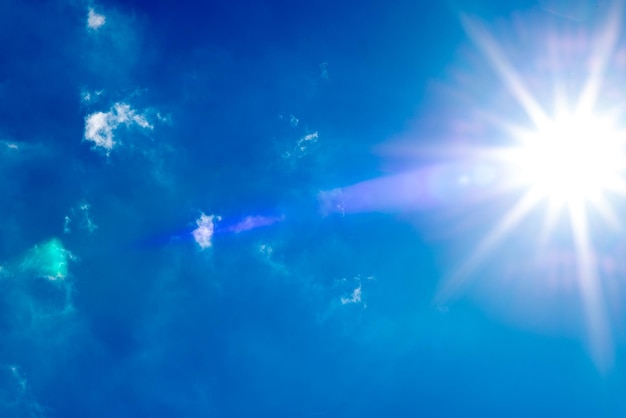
x=302, y=143
x=355, y=297
x=204, y=232
x=302, y=146
x=100, y=126
x=99, y=130
x=344, y=308
x=95, y=20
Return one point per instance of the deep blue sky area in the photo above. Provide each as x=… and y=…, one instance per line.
x=249, y=209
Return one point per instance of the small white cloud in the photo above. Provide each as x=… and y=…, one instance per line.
x=90, y=96
x=9, y=145
x=302, y=146
x=87, y=223
x=100, y=126
x=265, y=249
x=167, y=119
x=123, y=113
x=66, y=225
x=204, y=232
x=95, y=20
x=266, y=252
x=99, y=130
x=355, y=297
x=308, y=138
x=81, y=213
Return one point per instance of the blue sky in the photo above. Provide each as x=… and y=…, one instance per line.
x=282, y=209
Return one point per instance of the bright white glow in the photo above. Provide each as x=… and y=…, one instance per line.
x=573, y=158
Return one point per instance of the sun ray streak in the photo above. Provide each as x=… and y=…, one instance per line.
x=605, y=46
x=493, y=53
x=550, y=220
x=512, y=218
x=607, y=212
x=588, y=280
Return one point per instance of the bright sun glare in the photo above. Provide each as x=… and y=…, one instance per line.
x=573, y=158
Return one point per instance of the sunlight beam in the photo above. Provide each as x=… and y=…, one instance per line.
x=512, y=218
x=605, y=46
x=596, y=321
x=490, y=48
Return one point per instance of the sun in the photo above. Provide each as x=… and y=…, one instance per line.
x=572, y=159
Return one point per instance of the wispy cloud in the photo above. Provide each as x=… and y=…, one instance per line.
x=101, y=126
x=89, y=97
x=252, y=222
x=302, y=147
x=344, y=300
x=355, y=297
x=38, y=284
x=83, y=219
x=324, y=71
x=203, y=234
x=8, y=145
x=16, y=398
x=266, y=252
